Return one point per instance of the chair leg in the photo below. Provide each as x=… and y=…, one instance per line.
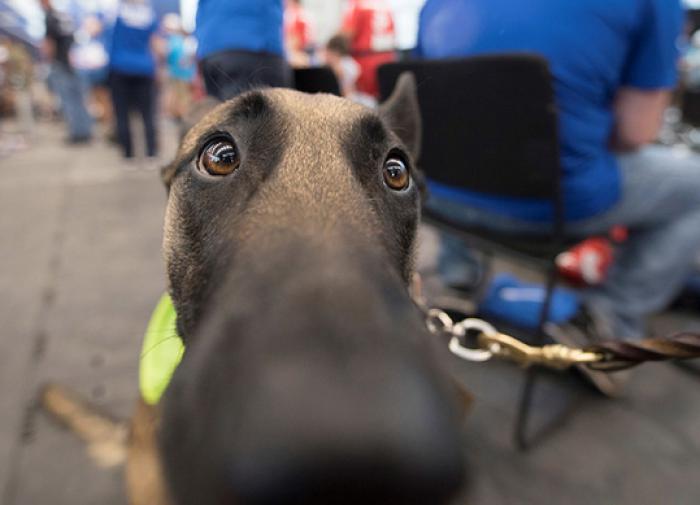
x=522, y=441
x=486, y=276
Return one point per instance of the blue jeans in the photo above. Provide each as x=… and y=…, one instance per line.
x=660, y=205
x=70, y=90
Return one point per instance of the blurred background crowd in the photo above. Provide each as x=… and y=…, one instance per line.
x=89, y=62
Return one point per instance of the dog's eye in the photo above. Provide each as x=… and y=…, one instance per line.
x=396, y=174
x=219, y=157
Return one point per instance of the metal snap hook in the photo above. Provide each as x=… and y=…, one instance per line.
x=459, y=331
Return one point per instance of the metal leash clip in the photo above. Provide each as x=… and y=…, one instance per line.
x=438, y=321
x=603, y=356
x=492, y=343
x=552, y=355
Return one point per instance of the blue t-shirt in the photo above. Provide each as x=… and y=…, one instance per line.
x=130, y=52
x=593, y=47
x=244, y=25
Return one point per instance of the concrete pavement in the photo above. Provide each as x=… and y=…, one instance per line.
x=81, y=270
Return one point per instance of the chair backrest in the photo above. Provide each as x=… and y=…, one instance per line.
x=316, y=80
x=489, y=123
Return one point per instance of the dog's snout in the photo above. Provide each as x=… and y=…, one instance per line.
x=405, y=449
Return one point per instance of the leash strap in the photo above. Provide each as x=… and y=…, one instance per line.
x=608, y=356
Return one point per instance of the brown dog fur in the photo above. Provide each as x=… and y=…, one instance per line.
x=144, y=472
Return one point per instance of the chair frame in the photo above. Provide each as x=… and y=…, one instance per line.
x=388, y=74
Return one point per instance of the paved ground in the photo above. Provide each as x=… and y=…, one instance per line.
x=81, y=269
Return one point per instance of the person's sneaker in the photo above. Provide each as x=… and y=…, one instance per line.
x=78, y=140
x=583, y=330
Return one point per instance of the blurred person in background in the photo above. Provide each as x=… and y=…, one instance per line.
x=369, y=27
x=614, y=67
x=20, y=75
x=181, y=66
x=298, y=37
x=90, y=59
x=346, y=69
x=132, y=73
x=16, y=75
x=4, y=81
x=64, y=80
x=240, y=46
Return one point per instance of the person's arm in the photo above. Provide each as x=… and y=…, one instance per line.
x=638, y=117
x=649, y=75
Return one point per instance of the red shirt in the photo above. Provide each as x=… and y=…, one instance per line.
x=371, y=26
x=297, y=27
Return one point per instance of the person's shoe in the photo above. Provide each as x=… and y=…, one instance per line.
x=78, y=140
x=583, y=330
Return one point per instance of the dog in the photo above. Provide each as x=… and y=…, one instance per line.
x=308, y=375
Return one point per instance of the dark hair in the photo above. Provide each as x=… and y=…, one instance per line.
x=340, y=44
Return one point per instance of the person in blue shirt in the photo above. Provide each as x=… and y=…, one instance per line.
x=133, y=71
x=614, y=64
x=241, y=45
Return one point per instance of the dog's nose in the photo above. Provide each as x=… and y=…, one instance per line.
x=403, y=450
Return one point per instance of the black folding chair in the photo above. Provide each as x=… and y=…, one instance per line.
x=490, y=125
x=316, y=80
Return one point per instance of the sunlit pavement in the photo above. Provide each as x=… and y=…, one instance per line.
x=81, y=270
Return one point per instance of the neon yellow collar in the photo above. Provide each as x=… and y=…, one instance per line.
x=161, y=352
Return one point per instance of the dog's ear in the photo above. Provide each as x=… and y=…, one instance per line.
x=402, y=113
x=194, y=115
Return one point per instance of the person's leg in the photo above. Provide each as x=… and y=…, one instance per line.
x=102, y=98
x=25, y=110
x=81, y=121
x=67, y=87
x=457, y=265
x=120, y=101
x=661, y=207
x=144, y=96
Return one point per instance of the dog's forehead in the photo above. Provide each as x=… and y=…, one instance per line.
x=318, y=107
x=320, y=112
